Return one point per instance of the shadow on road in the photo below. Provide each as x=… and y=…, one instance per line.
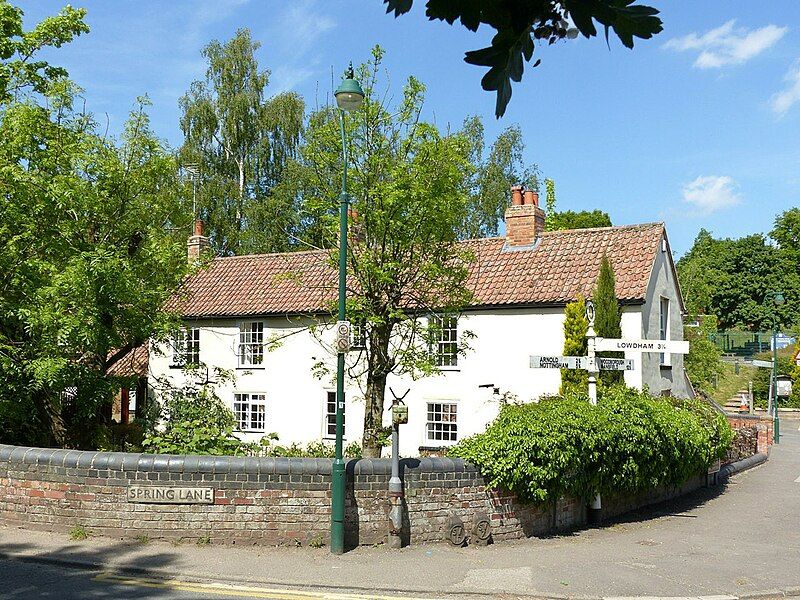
x=680, y=506
x=65, y=572
x=675, y=507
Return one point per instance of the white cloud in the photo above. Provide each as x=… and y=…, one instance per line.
x=727, y=45
x=711, y=193
x=205, y=14
x=782, y=101
x=304, y=23
x=284, y=79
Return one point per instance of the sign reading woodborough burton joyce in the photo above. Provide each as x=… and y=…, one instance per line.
x=152, y=494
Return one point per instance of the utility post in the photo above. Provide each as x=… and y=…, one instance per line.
x=399, y=417
x=777, y=300
x=776, y=424
x=595, y=509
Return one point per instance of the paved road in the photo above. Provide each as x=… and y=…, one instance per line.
x=24, y=580
x=731, y=541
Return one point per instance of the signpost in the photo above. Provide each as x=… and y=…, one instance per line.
x=765, y=364
x=594, y=365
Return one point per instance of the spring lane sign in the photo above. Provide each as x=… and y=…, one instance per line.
x=152, y=494
x=661, y=346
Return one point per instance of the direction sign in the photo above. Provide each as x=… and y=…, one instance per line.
x=767, y=364
x=559, y=362
x=580, y=362
x=662, y=346
x=615, y=364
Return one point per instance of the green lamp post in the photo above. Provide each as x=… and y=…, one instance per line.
x=777, y=299
x=349, y=96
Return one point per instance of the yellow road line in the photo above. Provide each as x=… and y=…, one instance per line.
x=223, y=589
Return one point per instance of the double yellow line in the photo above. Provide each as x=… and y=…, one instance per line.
x=222, y=589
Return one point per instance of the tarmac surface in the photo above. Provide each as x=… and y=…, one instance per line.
x=740, y=539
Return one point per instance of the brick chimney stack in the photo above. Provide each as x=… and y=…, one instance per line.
x=524, y=218
x=198, y=243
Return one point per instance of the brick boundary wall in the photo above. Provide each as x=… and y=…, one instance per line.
x=271, y=501
x=763, y=427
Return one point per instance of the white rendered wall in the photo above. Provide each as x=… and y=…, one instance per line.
x=663, y=379
x=504, y=340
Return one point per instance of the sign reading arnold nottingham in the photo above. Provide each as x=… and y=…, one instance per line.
x=151, y=494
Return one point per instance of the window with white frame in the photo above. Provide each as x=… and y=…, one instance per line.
x=186, y=347
x=330, y=416
x=442, y=422
x=251, y=344
x=445, y=344
x=664, y=327
x=250, y=411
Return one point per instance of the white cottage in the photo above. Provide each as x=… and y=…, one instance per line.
x=521, y=284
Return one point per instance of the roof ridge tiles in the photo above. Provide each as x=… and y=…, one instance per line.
x=608, y=228
x=563, y=265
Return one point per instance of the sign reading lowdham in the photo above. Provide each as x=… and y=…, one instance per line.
x=151, y=494
x=765, y=364
x=663, y=346
x=580, y=362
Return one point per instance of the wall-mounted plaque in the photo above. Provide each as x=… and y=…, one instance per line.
x=154, y=494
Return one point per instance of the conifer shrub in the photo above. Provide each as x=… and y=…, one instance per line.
x=608, y=322
x=629, y=442
x=575, y=326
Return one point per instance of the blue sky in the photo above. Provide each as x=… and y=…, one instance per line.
x=699, y=127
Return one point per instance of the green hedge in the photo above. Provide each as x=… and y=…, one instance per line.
x=629, y=442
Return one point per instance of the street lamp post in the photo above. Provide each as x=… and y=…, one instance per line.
x=777, y=299
x=349, y=96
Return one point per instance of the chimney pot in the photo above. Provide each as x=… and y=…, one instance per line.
x=524, y=218
x=516, y=195
x=531, y=198
x=197, y=244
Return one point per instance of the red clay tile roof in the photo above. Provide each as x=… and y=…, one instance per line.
x=134, y=362
x=562, y=265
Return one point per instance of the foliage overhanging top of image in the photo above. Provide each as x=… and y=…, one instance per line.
x=519, y=24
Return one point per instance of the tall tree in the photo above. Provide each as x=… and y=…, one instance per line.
x=786, y=233
x=89, y=233
x=239, y=141
x=730, y=279
x=494, y=174
x=521, y=24
x=575, y=327
x=607, y=316
x=21, y=70
x=583, y=219
x=408, y=184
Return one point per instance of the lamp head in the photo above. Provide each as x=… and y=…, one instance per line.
x=590, y=312
x=349, y=95
x=778, y=298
